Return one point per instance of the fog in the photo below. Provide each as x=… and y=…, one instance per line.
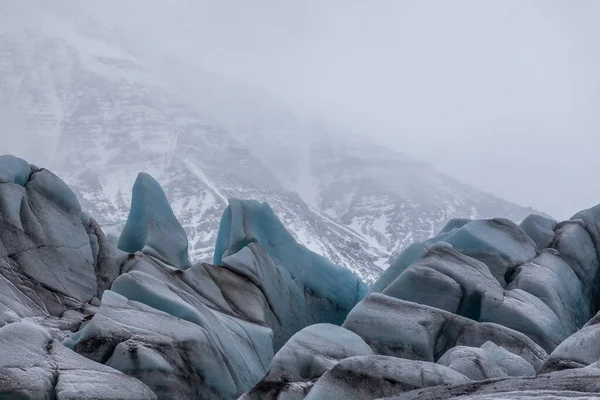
x=503, y=95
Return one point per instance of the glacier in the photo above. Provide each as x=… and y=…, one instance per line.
x=485, y=309
x=489, y=309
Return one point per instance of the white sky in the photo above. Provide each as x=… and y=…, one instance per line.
x=502, y=94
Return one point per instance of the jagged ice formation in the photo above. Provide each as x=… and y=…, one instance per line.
x=485, y=309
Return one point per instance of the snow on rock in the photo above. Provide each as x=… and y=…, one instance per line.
x=151, y=225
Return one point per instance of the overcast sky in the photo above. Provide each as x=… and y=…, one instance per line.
x=504, y=94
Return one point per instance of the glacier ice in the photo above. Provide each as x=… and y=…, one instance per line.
x=181, y=358
x=52, y=255
x=372, y=377
x=581, y=385
x=498, y=243
x=34, y=365
x=408, y=256
x=151, y=225
x=182, y=322
x=447, y=279
x=510, y=363
x=483, y=299
x=414, y=331
x=306, y=357
x=540, y=229
x=474, y=363
x=14, y=170
x=291, y=305
x=549, y=278
x=242, y=310
x=577, y=351
x=244, y=222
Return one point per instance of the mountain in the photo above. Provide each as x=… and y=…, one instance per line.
x=389, y=198
x=92, y=105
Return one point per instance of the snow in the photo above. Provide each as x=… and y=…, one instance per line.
x=202, y=176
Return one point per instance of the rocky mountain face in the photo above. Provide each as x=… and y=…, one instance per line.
x=83, y=100
x=484, y=309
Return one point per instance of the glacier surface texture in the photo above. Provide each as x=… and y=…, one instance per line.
x=484, y=309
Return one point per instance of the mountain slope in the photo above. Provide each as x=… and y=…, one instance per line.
x=387, y=197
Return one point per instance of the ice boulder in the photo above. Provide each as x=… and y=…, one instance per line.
x=449, y=280
x=52, y=254
x=373, y=377
x=245, y=222
x=34, y=365
x=408, y=256
x=498, y=243
x=511, y=364
x=540, y=229
x=306, y=357
x=549, y=278
x=151, y=225
x=577, y=351
x=580, y=385
x=14, y=170
x=576, y=246
x=474, y=363
x=180, y=350
x=409, y=330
